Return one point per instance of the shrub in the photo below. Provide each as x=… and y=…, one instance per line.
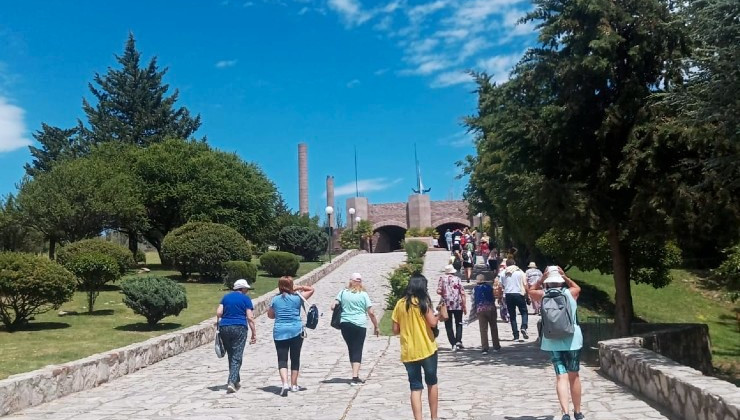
x=399, y=281
x=93, y=270
x=279, y=263
x=204, y=247
x=140, y=257
x=349, y=239
x=415, y=249
x=425, y=232
x=31, y=285
x=728, y=273
x=154, y=297
x=235, y=270
x=121, y=254
x=304, y=241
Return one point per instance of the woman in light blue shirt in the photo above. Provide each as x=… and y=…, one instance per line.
x=565, y=352
x=356, y=308
x=285, y=309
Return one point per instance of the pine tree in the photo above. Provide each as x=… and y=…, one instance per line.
x=56, y=144
x=132, y=106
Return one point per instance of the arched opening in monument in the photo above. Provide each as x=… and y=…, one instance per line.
x=441, y=229
x=388, y=238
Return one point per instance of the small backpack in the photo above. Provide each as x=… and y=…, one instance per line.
x=312, y=313
x=557, y=318
x=457, y=264
x=466, y=256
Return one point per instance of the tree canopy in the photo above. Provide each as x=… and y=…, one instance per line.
x=561, y=144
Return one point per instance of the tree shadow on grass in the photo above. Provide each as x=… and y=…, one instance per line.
x=144, y=327
x=595, y=300
x=99, y=312
x=38, y=326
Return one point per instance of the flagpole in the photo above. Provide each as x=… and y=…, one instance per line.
x=357, y=189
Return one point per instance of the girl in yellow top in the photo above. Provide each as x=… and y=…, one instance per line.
x=413, y=318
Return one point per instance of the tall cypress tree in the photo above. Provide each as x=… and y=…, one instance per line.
x=56, y=144
x=133, y=106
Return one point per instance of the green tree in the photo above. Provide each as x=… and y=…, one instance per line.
x=14, y=235
x=557, y=143
x=78, y=199
x=56, y=144
x=187, y=180
x=133, y=106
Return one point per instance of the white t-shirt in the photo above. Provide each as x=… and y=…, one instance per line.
x=512, y=282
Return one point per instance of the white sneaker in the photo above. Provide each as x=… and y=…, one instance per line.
x=295, y=388
x=454, y=347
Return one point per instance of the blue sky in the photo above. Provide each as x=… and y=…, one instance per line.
x=267, y=74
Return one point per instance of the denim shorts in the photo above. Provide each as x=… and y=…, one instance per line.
x=413, y=369
x=566, y=361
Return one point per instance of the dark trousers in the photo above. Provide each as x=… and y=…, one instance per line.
x=486, y=321
x=454, y=336
x=234, y=338
x=514, y=301
x=290, y=346
x=354, y=336
x=493, y=265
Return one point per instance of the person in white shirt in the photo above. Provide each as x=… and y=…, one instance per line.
x=533, y=276
x=515, y=290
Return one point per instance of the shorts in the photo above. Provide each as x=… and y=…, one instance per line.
x=467, y=264
x=566, y=361
x=456, y=247
x=413, y=369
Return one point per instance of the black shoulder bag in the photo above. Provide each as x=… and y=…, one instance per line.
x=336, y=315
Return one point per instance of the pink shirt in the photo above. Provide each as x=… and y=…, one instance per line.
x=452, y=290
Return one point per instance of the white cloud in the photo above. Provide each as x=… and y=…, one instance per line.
x=353, y=83
x=418, y=13
x=351, y=11
x=225, y=63
x=451, y=78
x=12, y=128
x=380, y=72
x=248, y=4
x=500, y=66
x=303, y=11
x=365, y=186
x=461, y=139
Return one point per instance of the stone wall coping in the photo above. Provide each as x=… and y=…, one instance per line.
x=680, y=389
x=55, y=381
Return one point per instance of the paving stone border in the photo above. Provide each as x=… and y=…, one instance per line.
x=681, y=389
x=55, y=381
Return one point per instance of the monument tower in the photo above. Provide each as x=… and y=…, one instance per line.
x=303, y=178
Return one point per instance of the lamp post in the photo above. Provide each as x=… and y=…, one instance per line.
x=351, y=217
x=329, y=211
x=359, y=237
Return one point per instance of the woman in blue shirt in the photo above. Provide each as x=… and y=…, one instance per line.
x=356, y=307
x=285, y=309
x=565, y=352
x=232, y=316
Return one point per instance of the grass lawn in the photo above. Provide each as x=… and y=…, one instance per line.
x=51, y=339
x=680, y=301
x=386, y=323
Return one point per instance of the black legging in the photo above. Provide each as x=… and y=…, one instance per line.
x=292, y=346
x=354, y=336
x=454, y=336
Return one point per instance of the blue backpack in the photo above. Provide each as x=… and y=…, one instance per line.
x=312, y=314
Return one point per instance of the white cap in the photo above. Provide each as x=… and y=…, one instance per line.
x=242, y=284
x=450, y=269
x=356, y=277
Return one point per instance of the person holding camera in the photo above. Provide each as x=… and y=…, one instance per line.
x=559, y=321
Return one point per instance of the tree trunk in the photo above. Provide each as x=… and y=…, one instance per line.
x=52, y=247
x=623, y=296
x=133, y=243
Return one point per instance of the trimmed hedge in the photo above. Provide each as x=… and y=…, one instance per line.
x=154, y=297
x=415, y=249
x=279, y=263
x=235, y=270
x=204, y=247
x=121, y=254
x=307, y=242
x=93, y=271
x=31, y=285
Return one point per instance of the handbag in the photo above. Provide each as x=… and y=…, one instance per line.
x=443, y=314
x=218, y=345
x=336, y=315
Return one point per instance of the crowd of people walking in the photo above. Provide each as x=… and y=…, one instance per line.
x=415, y=319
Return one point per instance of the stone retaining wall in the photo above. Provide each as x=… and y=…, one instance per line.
x=680, y=389
x=55, y=381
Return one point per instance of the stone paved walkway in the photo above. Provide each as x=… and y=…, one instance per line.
x=515, y=384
